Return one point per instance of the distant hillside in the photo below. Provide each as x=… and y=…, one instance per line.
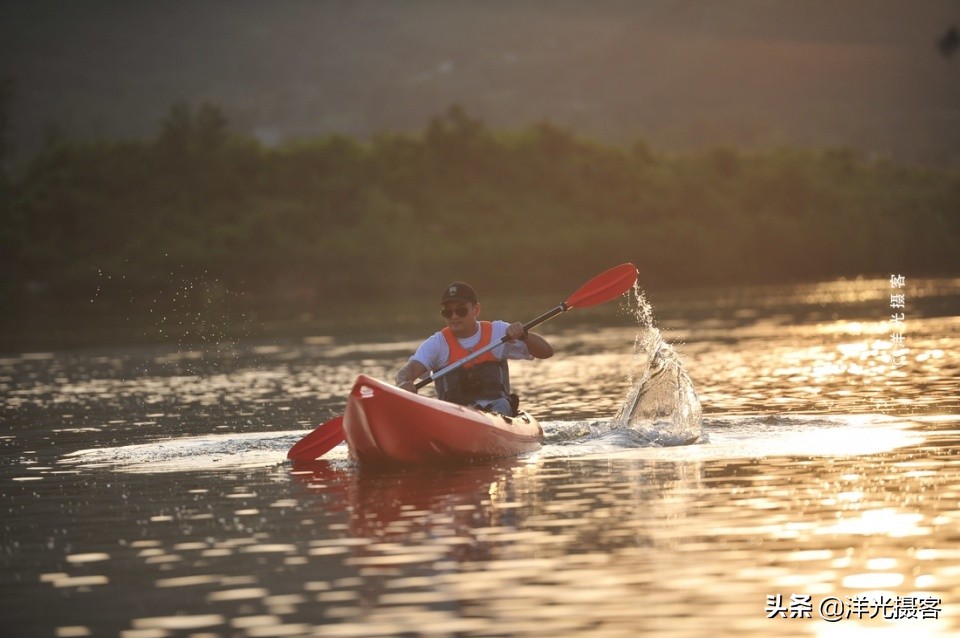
x=681, y=74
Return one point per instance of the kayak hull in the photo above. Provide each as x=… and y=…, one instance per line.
x=386, y=425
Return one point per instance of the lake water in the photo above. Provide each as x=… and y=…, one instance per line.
x=146, y=493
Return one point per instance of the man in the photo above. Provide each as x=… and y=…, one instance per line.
x=485, y=381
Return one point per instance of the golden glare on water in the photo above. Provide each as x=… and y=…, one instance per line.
x=148, y=495
x=855, y=328
x=887, y=521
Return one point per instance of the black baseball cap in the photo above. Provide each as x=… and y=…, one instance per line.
x=459, y=291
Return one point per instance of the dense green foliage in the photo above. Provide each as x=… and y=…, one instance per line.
x=405, y=213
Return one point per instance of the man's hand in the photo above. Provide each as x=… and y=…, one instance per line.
x=536, y=345
x=407, y=375
x=515, y=331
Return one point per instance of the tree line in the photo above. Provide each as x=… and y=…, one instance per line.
x=396, y=214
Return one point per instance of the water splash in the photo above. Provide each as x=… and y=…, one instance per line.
x=662, y=407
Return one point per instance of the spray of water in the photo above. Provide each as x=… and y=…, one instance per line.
x=662, y=407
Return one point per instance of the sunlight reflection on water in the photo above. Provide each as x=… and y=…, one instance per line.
x=145, y=490
x=546, y=544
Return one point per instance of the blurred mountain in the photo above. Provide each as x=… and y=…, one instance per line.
x=681, y=74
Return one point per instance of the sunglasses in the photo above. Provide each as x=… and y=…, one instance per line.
x=460, y=310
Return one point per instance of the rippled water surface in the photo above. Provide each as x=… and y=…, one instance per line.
x=145, y=491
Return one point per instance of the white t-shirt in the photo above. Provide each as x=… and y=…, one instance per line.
x=434, y=351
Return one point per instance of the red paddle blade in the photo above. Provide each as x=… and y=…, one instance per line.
x=604, y=287
x=319, y=442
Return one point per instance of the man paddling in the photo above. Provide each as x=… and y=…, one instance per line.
x=604, y=287
x=485, y=381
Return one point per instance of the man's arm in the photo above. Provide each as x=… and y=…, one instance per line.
x=408, y=374
x=537, y=345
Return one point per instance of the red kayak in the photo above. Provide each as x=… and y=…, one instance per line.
x=384, y=424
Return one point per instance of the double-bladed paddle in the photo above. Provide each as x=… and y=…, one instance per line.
x=606, y=286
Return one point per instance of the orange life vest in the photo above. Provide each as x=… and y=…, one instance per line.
x=484, y=378
x=458, y=352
